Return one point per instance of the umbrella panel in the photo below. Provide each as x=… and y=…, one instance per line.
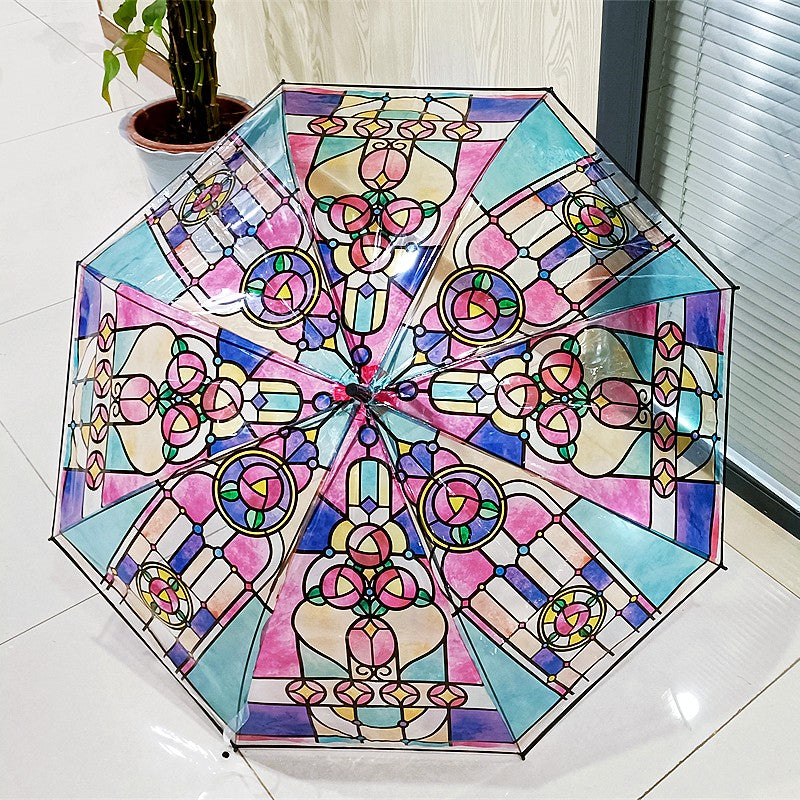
x=456, y=442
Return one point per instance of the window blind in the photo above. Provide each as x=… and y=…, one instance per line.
x=721, y=154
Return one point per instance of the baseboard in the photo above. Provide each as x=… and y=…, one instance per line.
x=152, y=60
x=741, y=482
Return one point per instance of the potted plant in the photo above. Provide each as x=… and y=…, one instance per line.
x=170, y=133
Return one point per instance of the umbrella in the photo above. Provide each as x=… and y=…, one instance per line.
x=397, y=420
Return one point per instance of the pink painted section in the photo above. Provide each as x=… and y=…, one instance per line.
x=250, y=554
x=526, y=517
x=542, y=305
x=224, y=279
x=464, y=571
x=491, y=248
x=283, y=229
x=277, y=655
x=194, y=492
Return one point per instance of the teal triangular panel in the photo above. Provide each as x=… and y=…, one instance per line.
x=137, y=260
x=523, y=698
x=669, y=274
x=223, y=673
x=538, y=145
x=97, y=537
x=655, y=564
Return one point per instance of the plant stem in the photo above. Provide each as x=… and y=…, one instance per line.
x=193, y=64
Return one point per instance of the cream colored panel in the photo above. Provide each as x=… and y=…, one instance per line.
x=469, y=43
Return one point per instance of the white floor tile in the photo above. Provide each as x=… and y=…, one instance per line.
x=729, y=640
x=12, y=12
x=755, y=756
x=73, y=187
x=77, y=20
x=89, y=713
x=766, y=544
x=35, y=580
x=49, y=82
x=34, y=351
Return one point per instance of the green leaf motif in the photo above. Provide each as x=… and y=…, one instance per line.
x=568, y=451
x=325, y=203
x=179, y=346
x=482, y=281
x=168, y=451
x=110, y=71
x=429, y=208
x=254, y=518
x=461, y=534
x=229, y=491
x=125, y=14
x=507, y=306
x=489, y=509
x=423, y=599
x=570, y=344
x=315, y=596
x=153, y=16
x=282, y=263
x=256, y=287
x=582, y=391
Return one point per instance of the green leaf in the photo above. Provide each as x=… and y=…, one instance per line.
x=254, y=519
x=423, y=599
x=256, y=286
x=153, y=16
x=581, y=392
x=489, y=509
x=377, y=609
x=179, y=346
x=567, y=452
x=229, y=491
x=315, y=596
x=134, y=46
x=362, y=606
x=282, y=263
x=461, y=534
x=111, y=70
x=125, y=14
x=325, y=203
x=168, y=451
x=482, y=281
x=429, y=208
x=570, y=344
x=507, y=306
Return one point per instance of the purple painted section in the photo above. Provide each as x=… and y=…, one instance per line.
x=695, y=512
x=268, y=720
x=702, y=319
x=478, y=725
x=72, y=498
x=504, y=109
x=311, y=104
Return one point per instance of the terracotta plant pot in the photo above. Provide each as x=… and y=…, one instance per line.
x=164, y=161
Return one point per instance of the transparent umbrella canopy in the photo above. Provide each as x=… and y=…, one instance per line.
x=397, y=420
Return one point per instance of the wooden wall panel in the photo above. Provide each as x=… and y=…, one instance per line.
x=519, y=43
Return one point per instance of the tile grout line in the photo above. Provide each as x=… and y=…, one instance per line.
x=708, y=738
x=257, y=776
x=763, y=569
x=25, y=456
x=72, y=44
x=51, y=617
x=67, y=124
x=36, y=310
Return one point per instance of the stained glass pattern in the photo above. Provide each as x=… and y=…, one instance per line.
x=396, y=420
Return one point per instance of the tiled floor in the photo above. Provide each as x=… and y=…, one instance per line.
x=707, y=707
